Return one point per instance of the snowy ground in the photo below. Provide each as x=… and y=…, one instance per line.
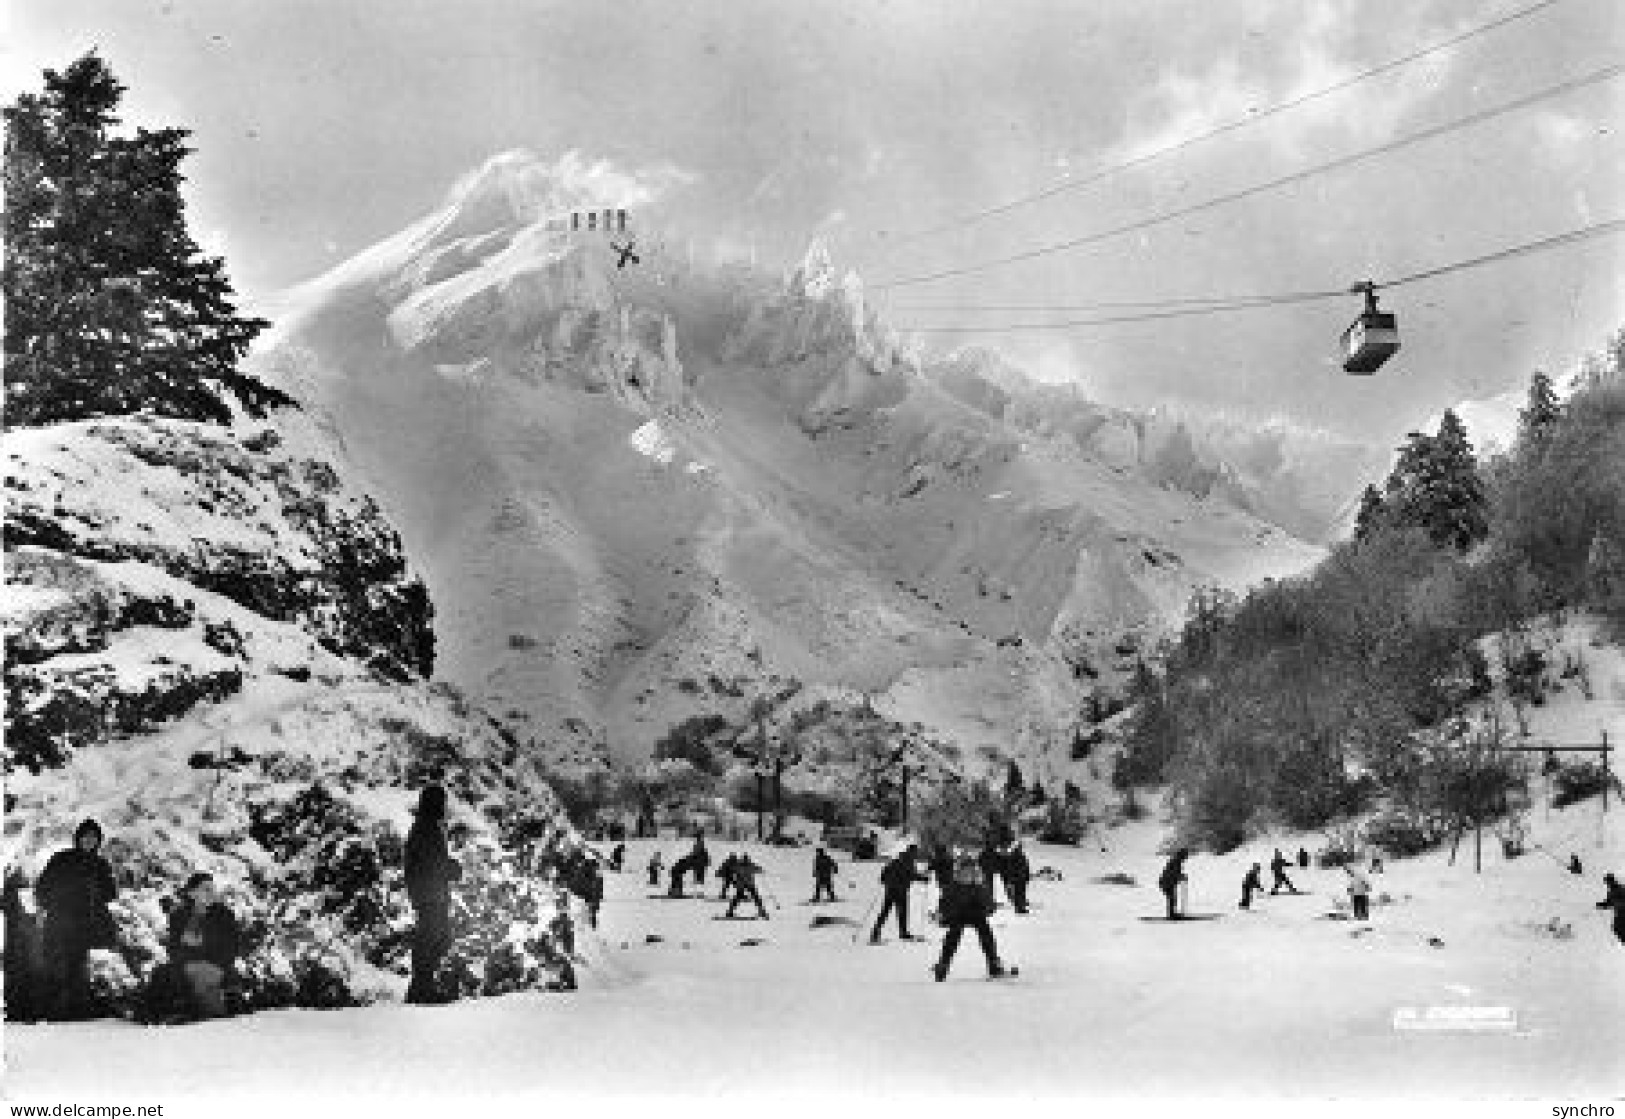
x=1278, y=1002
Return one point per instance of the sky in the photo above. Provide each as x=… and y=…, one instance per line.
x=323, y=126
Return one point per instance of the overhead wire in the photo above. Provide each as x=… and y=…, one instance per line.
x=1606, y=73
x=1253, y=117
x=1596, y=229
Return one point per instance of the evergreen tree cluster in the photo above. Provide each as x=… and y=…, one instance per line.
x=111, y=307
x=1301, y=703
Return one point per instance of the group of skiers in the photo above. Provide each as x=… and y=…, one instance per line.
x=47, y=961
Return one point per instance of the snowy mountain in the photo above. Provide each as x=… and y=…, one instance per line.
x=647, y=493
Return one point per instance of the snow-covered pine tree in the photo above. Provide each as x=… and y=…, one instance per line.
x=111, y=307
x=1435, y=486
x=1541, y=414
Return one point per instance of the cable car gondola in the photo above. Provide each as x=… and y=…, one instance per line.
x=1372, y=338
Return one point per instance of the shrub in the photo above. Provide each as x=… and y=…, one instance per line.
x=1401, y=835
x=1578, y=781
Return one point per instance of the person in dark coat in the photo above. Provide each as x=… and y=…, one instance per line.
x=616, y=857
x=942, y=867
x=744, y=881
x=1615, y=900
x=700, y=859
x=1303, y=858
x=1575, y=866
x=656, y=865
x=897, y=876
x=1280, y=881
x=1250, y=885
x=430, y=871
x=679, y=869
x=967, y=901
x=824, y=869
x=25, y=957
x=203, y=943
x=74, y=891
x=1017, y=873
x=725, y=875
x=1173, y=873
x=992, y=864
x=587, y=883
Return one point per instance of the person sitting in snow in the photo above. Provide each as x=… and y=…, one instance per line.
x=1250, y=885
x=203, y=943
x=744, y=881
x=967, y=900
x=656, y=865
x=824, y=869
x=1278, y=867
x=1615, y=900
x=896, y=878
x=1173, y=873
x=74, y=891
x=430, y=871
x=1359, y=893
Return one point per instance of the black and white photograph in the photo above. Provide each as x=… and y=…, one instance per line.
x=822, y=556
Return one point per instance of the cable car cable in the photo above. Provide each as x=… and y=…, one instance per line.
x=1607, y=73
x=1063, y=186
x=1584, y=233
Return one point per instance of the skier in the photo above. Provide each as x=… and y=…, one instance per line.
x=744, y=879
x=74, y=891
x=656, y=865
x=679, y=868
x=202, y=946
x=824, y=869
x=942, y=867
x=1017, y=872
x=1278, y=867
x=1173, y=873
x=430, y=871
x=1303, y=858
x=725, y=875
x=1250, y=885
x=967, y=900
x=1615, y=900
x=1575, y=866
x=616, y=857
x=701, y=859
x=1359, y=893
x=897, y=876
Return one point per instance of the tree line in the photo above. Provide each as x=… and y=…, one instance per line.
x=1301, y=702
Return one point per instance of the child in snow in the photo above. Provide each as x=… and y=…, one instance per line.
x=725, y=875
x=1278, y=867
x=1017, y=873
x=1615, y=900
x=656, y=865
x=824, y=869
x=1359, y=893
x=1250, y=885
x=1303, y=858
x=967, y=900
x=1173, y=873
x=616, y=857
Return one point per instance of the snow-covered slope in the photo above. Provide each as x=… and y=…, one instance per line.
x=621, y=481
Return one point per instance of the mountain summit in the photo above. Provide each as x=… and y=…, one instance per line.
x=649, y=492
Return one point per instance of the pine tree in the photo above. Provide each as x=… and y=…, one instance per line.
x=111, y=307
x=1370, y=516
x=1541, y=414
x=1435, y=486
